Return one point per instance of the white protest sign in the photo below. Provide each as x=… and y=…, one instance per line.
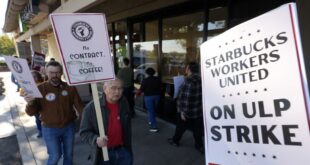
x=177, y=81
x=20, y=69
x=255, y=98
x=84, y=45
x=38, y=60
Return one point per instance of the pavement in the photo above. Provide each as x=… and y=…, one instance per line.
x=20, y=146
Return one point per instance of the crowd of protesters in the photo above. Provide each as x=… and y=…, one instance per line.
x=60, y=106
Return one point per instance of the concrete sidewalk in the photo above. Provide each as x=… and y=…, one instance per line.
x=149, y=148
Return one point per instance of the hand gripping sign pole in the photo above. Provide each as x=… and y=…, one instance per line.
x=99, y=118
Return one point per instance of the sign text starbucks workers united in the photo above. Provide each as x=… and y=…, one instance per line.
x=266, y=51
x=255, y=101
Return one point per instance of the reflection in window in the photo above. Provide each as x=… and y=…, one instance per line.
x=145, y=52
x=216, y=25
x=182, y=37
x=120, y=42
x=110, y=38
x=145, y=48
x=217, y=21
x=145, y=56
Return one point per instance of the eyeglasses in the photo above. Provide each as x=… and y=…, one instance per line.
x=116, y=88
x=55, y=73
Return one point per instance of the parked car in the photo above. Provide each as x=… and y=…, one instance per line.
x=2, y=58
x=139, y=72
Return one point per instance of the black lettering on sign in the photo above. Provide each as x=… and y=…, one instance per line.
x=260, y=134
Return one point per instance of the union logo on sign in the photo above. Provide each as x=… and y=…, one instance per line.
x=82, y=31
x=17, y=67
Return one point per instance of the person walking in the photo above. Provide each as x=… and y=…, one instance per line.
x=117, y=125
x=126, y=75
x=189, y=106
x=151, y=87
x=57, y=112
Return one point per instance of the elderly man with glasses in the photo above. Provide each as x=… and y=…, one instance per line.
x=117, y=123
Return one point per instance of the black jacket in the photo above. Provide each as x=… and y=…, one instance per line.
x=89, y=128
x=151, y=86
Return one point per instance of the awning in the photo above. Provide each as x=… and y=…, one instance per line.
x=12, y=12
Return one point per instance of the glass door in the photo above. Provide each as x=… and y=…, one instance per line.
x=145, y=48
x=182, y=37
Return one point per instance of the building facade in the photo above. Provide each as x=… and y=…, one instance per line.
x=161, y=34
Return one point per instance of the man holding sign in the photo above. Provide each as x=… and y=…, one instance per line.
x=189, y=105
x=57, y=114
x=116, y=119
x=83, y=42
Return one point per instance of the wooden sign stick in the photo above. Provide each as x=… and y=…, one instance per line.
x=99, y=118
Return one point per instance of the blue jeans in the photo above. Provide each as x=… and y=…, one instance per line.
x=119, y=156
x=58, y=139
x=151, y=103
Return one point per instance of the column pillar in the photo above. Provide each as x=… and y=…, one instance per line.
x=304, y=25
x=36, y=44
x=52, y=47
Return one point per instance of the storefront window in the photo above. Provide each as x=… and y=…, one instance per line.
x=121, y=42
x=217, y=21
x=110, y=38
x=182, y=37
x=145, y=48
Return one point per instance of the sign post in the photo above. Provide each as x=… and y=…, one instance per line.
x=99, y=118
x=84, y=45
x=255, y=97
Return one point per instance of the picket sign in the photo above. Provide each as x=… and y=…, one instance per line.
x=84, y=45
x=20, y=69
x=99, y=118
x=255, y=93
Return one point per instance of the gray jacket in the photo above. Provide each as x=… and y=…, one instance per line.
x=89, y=128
